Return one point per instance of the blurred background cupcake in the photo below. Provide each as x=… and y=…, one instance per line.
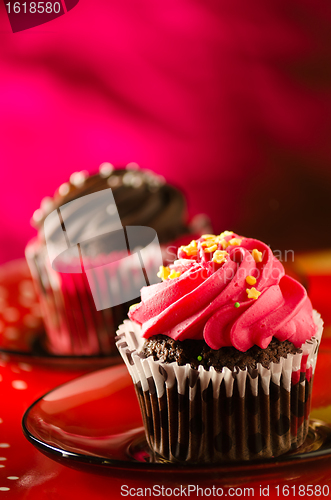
x=73, y=322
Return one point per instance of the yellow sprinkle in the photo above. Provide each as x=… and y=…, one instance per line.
x=216, y=239
x=235, y=241
x=251, y=280
x=190, y=249
x=220, y=256
x=208, y=236
x=163, y=272
x=208, y=243
x=211, y=249
x=252, y=293
x=224, y=243
x=257, y=255
x=174, y=274
x=225, y=233
x=133, y=306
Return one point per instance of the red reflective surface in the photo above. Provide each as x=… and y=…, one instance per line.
x=26, y=473
x=95, y=420
x=40, y=476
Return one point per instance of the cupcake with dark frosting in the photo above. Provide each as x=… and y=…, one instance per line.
x=222, y=354
x=74, y=326
x=142, y=198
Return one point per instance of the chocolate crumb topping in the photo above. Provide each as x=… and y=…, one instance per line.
x=197, y=352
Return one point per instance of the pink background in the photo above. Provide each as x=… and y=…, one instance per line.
x=230, y=100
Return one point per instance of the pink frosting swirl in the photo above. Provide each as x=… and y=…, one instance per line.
x=212, y=301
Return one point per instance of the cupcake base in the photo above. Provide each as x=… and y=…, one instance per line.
x=237, y=428
x=204, y=416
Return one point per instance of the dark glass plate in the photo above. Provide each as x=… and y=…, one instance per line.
x=94, y=423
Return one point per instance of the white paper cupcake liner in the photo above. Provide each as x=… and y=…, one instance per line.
x=209, y=416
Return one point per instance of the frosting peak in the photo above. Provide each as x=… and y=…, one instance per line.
x=229, y=290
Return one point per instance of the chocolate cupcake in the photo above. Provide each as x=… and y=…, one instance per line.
x=223, y=354
x=74, y=325
x=142, y=198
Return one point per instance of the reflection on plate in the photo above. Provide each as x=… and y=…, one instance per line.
x=94, y=423
x=37, y=353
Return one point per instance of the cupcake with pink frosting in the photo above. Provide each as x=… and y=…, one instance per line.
x=222, y=354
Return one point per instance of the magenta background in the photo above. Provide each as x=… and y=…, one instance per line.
x=218, y=96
